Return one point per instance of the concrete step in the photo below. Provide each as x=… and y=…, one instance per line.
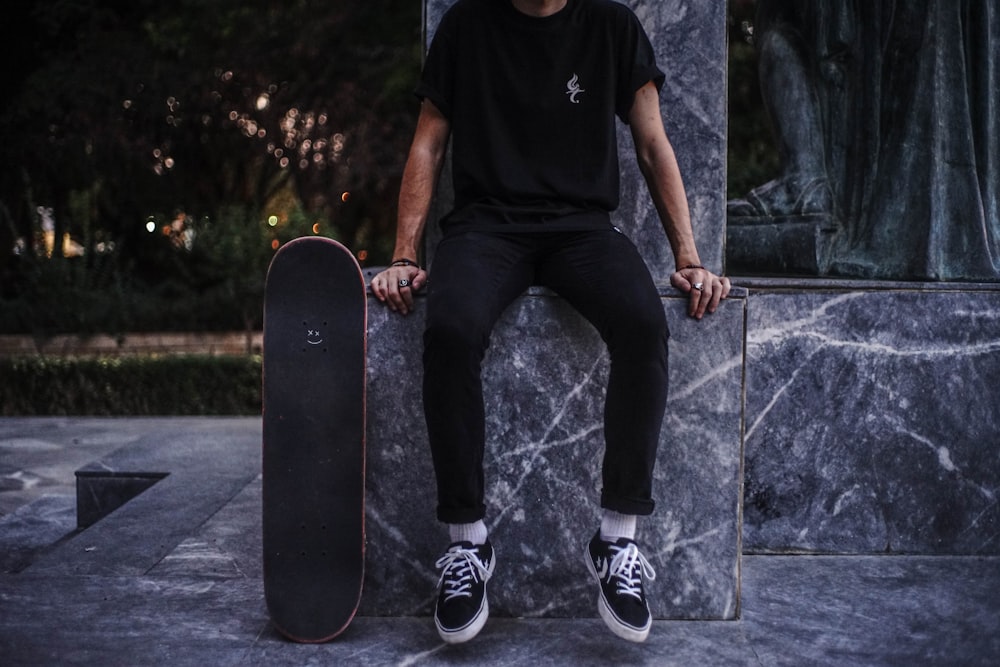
x=203, y=464
x=35, y=528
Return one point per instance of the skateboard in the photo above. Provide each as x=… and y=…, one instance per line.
x=314, y=364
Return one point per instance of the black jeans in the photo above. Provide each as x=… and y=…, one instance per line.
x=475, y=276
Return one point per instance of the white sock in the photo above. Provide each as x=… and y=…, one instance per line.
x=468, y=532
x=615, y=526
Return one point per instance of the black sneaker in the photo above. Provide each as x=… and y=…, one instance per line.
x=620, y=568
x=462, y=608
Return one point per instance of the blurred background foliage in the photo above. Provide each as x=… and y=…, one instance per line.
x=155, y=155
x=131, y=385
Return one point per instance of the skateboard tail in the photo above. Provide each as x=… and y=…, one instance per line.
x=305, y=635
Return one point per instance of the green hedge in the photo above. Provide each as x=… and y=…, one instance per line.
x=131, y=386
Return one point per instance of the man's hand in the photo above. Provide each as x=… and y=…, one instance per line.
x=705, y=288
x=658, y=164
x=396, y=285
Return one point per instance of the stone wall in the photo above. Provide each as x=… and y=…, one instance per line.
x=872, y=418
x=544, y=375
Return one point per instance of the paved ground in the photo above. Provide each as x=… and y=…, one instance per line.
x=173, y=578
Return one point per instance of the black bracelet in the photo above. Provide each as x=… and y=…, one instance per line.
x=404, y=262
x=694, y=266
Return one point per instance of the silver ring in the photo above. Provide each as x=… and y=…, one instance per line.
x=699, y=286
x=404, y=283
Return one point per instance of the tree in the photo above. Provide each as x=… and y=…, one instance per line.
x=123, y=112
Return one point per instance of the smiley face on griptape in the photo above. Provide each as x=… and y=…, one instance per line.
x=314, y=334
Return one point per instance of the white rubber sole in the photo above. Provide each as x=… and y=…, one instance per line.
x=469, y=631
x=614, y=624
x=617, y=627
x=472, y=629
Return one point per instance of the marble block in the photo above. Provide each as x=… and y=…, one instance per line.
x=689, y=38
x=544, y=377
x=871, y=418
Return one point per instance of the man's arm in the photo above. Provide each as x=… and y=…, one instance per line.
x=663, y=177
x=420, y=177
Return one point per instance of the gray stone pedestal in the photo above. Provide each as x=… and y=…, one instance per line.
x=545, y=376
x=872, y=417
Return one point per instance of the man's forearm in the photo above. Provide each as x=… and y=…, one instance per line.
x=415, y=196
x=420, y=177
x=666, y=187
x=663, y=176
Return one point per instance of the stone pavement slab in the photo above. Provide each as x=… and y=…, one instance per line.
x=187, y=589
x=878, y=611
x=33, y=529
x=872, y=610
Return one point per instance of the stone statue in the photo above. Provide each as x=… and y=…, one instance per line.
x=887, y=118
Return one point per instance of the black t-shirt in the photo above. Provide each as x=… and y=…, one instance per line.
x=532, y=105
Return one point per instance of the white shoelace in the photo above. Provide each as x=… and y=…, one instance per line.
x=629, y=567
x=460, y=569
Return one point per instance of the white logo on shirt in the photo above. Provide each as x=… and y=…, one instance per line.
x=573, y=89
